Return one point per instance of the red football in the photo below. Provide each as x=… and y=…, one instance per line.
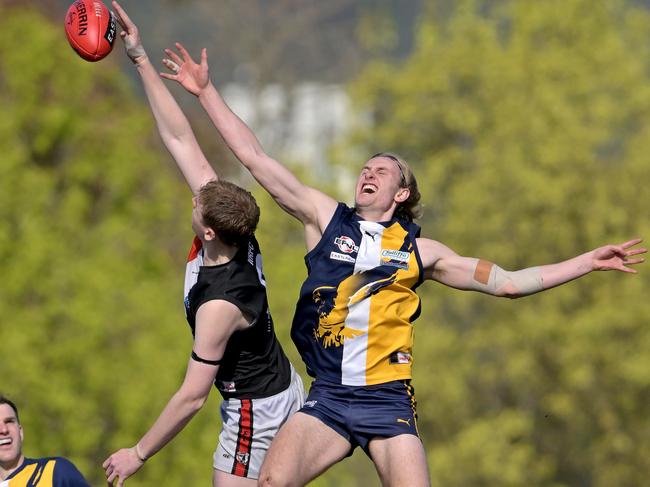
x=90, y=28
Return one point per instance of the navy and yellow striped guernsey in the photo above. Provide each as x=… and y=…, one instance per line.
x=46, y=472
x=353, y=320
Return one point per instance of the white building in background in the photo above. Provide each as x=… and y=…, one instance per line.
x=298, y=126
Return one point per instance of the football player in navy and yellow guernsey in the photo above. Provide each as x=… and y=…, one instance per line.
x=353, y=324
x=18, y=471
x=235, y=347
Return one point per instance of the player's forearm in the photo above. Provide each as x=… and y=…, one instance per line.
x=178, y=412
x=535, y=279
x=562, y=272
x=236, y=134
x=175, y=130
x=274, y=177
x=170, y=119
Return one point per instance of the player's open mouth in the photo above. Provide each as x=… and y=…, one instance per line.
x=5, y=441
x=368, y=188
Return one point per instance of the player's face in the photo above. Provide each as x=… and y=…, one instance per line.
x=378, y=184
x=11, y=438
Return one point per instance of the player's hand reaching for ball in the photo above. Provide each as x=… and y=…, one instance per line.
x=130, y=35
x=192, y=76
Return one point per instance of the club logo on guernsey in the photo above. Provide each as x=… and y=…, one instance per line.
x=227, y=386
x=242, y=458
x=346, y=244
x=334, y=303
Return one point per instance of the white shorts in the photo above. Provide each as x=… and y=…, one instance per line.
x=249, y=426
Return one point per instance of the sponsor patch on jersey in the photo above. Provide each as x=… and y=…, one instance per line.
x=342, y=257
x=399, y=265
x=398, y=255
x=310, y=404
x=400, y=358
x=227, y=386
x=395, y=258
x=346, y=244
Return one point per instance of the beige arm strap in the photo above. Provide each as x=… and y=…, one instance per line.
x=492, y=279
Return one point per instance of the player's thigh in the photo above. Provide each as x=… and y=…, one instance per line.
x=223, y=479
x=400, y=461
x=303, y=449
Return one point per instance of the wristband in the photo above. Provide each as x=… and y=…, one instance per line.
x=140, y=456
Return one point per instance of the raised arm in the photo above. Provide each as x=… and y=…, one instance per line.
x=172, y=124
x=310, y=206
x=215, y=322
x=445, y=266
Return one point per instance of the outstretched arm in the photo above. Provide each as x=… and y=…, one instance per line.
x=173, y=126
x=308, y=205
x=445, y=266
x=215, y=322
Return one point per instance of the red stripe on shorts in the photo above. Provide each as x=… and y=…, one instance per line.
x=244, y=439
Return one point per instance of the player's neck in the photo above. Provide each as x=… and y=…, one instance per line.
x=375, y=215
x=7, y=469
x=216, y=252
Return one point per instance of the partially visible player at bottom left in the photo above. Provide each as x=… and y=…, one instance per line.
x=18, y=471
x=235, y=346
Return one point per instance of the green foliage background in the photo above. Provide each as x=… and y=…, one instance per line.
x=527, y=124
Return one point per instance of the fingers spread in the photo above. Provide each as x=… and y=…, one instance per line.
x=173, y=56
x=172, y=66
x=636, y=251
x=183, y=51
x=632, y=242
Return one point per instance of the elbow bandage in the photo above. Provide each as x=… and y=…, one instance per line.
x=493, y=279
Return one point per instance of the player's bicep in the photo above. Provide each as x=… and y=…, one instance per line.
x=442, y=264
x=459, y=272
x=216, y=321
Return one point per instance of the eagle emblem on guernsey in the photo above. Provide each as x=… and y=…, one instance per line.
x=334, y=303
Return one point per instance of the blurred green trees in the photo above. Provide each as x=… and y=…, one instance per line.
x=94, y=227
x=527, y=126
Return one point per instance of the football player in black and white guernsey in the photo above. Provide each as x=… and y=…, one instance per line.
x=235, y=347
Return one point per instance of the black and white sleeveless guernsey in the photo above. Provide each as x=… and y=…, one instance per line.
x=254, y=364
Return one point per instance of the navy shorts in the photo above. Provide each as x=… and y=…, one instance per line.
x=361, y=413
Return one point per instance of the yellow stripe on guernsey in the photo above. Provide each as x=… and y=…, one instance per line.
x=44, y=478
x=377, y=324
